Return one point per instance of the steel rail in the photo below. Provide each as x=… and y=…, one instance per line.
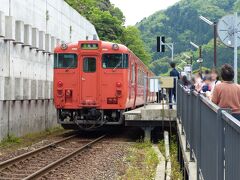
x=53, y=165
x=9, y=162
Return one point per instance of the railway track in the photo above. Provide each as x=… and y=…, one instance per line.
x=39, y=162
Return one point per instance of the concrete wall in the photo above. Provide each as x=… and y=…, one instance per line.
x=29, y=31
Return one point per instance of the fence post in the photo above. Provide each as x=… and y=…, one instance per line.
x=191, y=126
x=187, y=122
x=182, y=121
x=182, y=112
x=198, y=153
x=221, y=144
x=178, y=93
x=176, y=85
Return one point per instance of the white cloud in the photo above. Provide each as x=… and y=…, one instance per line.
x=136, y=10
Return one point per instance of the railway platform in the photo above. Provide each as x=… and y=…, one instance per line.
x=150, y=116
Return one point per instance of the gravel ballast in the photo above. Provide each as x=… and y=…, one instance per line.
x=102, y=161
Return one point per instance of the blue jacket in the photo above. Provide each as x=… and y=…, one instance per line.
x=174, y=73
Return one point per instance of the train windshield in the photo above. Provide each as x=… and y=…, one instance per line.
x=65, y=61
x=115, y=61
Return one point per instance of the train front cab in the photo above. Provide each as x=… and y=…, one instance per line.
x=89, y=86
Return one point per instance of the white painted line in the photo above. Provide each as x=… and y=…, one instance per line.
x=167, y=155
x=160, y=172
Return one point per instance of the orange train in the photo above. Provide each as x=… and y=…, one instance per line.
x=95, y=82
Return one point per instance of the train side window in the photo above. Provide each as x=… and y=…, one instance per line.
x=125, y=60
x=138, y=79
x=143, y=77
x=133, y=73
x=89, y=65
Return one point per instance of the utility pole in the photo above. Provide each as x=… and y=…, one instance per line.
x=170, y=46
x=215, y=44
x=200, y=58
x=214, y=25
x=235, y=48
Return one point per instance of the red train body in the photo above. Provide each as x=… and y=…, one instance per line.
x=95, y=82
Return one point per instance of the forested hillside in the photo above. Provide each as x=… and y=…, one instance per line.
x=109, y=23
x=181, y=24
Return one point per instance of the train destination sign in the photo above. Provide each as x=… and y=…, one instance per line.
x=89, y=46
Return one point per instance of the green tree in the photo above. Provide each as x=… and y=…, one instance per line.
x=132, y=39
x=237, y=5
x=109, y=23
x=109, y=27
x=84, y=7
x=180, y=23
x=107, y=19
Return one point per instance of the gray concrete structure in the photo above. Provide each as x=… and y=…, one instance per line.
x=29, y=31
x=149, y=117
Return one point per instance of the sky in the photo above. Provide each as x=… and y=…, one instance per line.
x=136, y=10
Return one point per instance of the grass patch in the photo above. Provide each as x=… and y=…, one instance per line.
x=161, y=147
x=12, y=142
x=10, y=139
x=44, y=134
x=176, y=173
x=141, y=162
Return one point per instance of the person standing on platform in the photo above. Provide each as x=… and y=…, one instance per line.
x=159, y=94
x=198, y=82
x=172, y=92
x=227, y=93
x=215, y=81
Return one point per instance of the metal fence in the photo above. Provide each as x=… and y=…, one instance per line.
x=212, y=136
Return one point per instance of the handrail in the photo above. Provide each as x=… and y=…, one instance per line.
x=209, y=103
x=195, y=93
x=208, y=130
x=232, y=121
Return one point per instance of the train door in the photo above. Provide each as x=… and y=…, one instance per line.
x=89, y=80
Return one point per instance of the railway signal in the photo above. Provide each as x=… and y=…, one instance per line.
x=161, y=45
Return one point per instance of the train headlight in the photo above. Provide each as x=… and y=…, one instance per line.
x=60, y=84
x=118, y=84
x=64, y=46
x=115, y=47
